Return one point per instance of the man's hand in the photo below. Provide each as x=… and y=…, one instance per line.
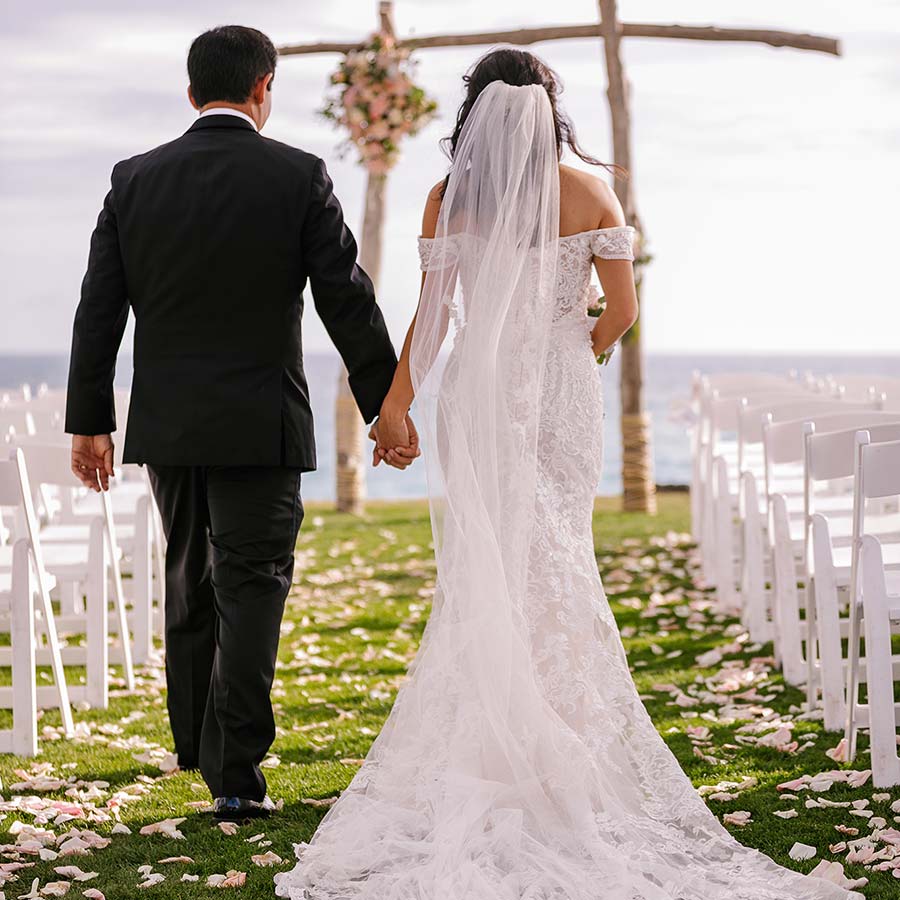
x=396, y=443
x=92, y=460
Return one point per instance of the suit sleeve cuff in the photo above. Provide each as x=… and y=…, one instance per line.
x=370, y=387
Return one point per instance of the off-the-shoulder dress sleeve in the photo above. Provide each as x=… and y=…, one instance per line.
x=613, y=243
x=438, y=253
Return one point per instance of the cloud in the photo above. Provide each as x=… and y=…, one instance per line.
x=742, y=153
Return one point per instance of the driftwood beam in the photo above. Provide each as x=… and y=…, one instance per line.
x=797, y=40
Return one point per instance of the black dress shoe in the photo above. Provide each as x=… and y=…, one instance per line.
x=234, y=809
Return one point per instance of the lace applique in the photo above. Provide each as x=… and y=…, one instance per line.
x=438, y=253
x=613, y=243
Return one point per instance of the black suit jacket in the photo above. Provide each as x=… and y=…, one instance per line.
x=212, y=239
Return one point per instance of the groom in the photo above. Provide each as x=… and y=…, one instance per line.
x=211, y=239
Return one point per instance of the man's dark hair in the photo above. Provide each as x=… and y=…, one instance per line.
x=225, y=63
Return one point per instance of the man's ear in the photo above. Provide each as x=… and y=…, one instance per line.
x=261, y=88
x=190, y=94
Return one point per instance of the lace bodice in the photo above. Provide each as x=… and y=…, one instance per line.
x=573, y=271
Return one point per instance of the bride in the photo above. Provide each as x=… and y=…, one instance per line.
x=518, y=762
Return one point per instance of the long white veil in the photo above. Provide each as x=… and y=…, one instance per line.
x=489, y=291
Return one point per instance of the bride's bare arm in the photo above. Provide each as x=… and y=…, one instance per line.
x=394, y=409
x=617, y=279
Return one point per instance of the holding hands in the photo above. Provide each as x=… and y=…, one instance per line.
x=396, y=440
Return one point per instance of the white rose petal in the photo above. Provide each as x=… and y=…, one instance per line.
x=75, y=873
x=801, y=851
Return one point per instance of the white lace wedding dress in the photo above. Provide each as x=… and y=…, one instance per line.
x=518, y=762
x=645, y=833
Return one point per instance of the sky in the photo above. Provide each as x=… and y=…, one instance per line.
x=768, y=179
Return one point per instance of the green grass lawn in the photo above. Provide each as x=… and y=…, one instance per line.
x=357, y=610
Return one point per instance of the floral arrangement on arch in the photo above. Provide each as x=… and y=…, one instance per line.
x=377, y=101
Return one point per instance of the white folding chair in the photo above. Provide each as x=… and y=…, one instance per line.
x=829, y=457
x=731, y=384
x=85, y=565
x=877, y=476
x=729, y=508
x=724, y=460
x=22, y=577
x=785, y=472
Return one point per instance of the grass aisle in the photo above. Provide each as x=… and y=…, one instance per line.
x=356, y=614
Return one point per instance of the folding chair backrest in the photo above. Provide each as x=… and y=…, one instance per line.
x=15, y=490
x=745, y=382
x=725, y=411
x=832, y=454
x=754, y=417
x=863, y=385
x=49, y=466
x=880, y=468
x=785, y=442
x=48, y=463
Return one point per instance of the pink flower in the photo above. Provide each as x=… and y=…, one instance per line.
x=378, y=106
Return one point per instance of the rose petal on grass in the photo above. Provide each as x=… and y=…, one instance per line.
x=269, y=858
x=231, y=879
x=739, y=818
x=839, y=752
x=801, y=851
x=834, y=872
x=167, y=827
x=75, y=873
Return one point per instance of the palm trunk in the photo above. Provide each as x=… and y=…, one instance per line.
x=638, y=487
x=350, y=441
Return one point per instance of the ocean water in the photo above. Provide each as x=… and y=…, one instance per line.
x=666, y=392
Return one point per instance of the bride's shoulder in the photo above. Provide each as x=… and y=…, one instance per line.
x=592, y=196
x=432, y=209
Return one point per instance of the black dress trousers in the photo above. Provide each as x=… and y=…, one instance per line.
x=231, y=532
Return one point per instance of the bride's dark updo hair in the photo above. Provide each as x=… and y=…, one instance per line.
x=519, y=67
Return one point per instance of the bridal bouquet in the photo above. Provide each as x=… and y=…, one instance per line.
x=596, y=306
x=376, y=100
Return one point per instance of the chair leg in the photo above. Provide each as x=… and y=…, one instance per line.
x=879, y=669
x=789, y=632
x=24, y=729
x=828, y=627
x=97, y=693
x=56, y=661
x=813, y=662
x=143, y=583
x=852, y=692
x=118, y=595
